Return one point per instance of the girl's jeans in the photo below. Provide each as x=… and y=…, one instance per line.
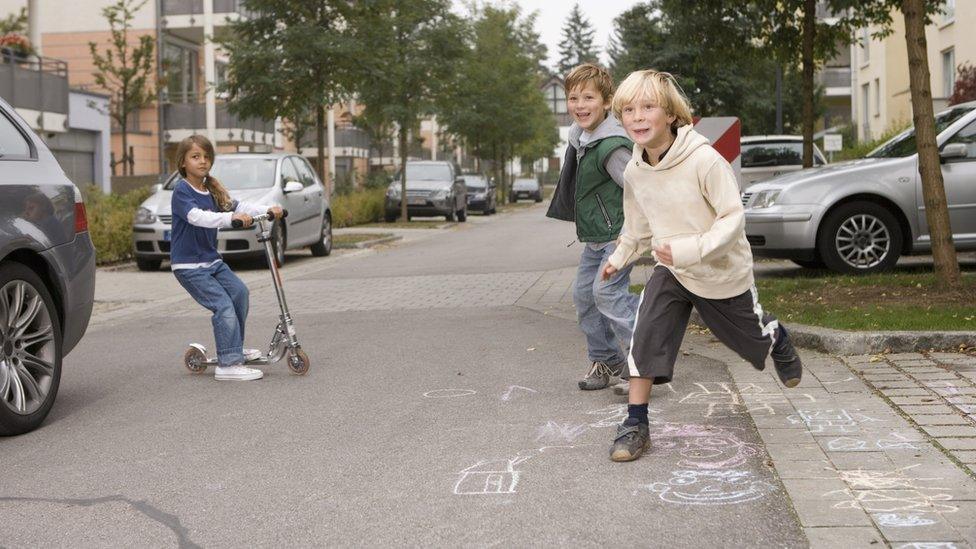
x=219, y=290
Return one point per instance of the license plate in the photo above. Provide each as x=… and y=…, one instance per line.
x=417, y=201
x=167, y=235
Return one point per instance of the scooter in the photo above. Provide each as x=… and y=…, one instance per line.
x=284, y=339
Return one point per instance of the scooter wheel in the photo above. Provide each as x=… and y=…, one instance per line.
x=194, y=360
x=298, y=362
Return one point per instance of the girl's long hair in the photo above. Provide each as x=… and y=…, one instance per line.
x=216, y=188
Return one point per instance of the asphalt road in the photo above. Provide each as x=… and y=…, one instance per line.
x=436, y=412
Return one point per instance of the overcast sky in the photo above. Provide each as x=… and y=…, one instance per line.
x=553, y=13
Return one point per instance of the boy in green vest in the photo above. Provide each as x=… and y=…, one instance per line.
x=590, y=194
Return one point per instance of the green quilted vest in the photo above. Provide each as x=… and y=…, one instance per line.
x=599, y=201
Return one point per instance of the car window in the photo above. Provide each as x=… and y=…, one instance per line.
x=903, y=144
x=475, y=182
x=244, y=173
x=304, y=171
x=288, y=172
x=13, y=144
x=429, y=172
x=967, y=136
x=761, y=155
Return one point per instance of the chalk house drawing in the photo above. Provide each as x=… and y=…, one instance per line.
x=711, y=487
x=490, y=477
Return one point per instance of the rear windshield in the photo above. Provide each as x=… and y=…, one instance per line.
x=428, y=172
x=903, y=144
x=474, y=182
x=761, y=155
x=239, y=173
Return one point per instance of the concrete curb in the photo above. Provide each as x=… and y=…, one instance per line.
x=842, y=342
x=369, y=243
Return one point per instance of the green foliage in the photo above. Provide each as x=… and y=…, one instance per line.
x=576, y=46
x=378, y=179
x=854, y=149
x=125, y=71
x=15, y=23
x=110, y=221
x=357, y=208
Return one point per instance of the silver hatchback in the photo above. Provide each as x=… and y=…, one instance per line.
x=279, y=179
x=861, y=216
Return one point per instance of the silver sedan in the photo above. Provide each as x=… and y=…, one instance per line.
x=861, y=216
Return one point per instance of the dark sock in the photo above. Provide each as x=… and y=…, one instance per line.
x=636, y=414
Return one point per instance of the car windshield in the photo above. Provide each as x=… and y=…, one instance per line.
x=428, y=172
x=474, y=182
x=240, y=173
x=903, y=144
x=780, y=153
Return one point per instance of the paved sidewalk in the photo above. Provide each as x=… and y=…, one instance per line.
x=870, y=449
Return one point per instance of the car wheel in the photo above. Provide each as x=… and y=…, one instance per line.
x=390, y=218
x=860, y=238
x=278, y=244
x=324, y=246
x=538, y=196
x=809, y=264
x=30, y=350
x=148, y=264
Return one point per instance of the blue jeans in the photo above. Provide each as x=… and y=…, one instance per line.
x=219, y=290
x=605, y=308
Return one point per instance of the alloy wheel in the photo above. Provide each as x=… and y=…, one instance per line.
x=27, y=348
x=863, y=241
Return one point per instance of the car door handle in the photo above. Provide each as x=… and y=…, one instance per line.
x=903, y=180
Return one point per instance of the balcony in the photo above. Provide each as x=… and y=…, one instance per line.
x=37, y=87
x=350, y=142
x=178, y=14
x=836, y=81
x=183, y=119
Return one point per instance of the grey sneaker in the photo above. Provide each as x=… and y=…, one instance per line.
x=622, y=387
x=789, y=368
x=599, y=376
x=631, y=442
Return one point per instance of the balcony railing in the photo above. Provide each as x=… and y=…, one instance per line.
x=195, y=7
x=344, y=137
x=193, y=116
x=835, y=77
x=35, y=83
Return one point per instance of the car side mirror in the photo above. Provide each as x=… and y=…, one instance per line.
x=292, y=187
x=954, y=150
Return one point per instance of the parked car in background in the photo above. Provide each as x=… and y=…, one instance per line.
x=47, y=274
x=766, y=156
x=861, y=216
x=434, y=187
x=526, y=187
x=481, y=193
x=285, y=180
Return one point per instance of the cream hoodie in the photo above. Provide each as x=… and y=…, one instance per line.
x=690, y=200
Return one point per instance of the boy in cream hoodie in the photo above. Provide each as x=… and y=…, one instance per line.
x=681, y=200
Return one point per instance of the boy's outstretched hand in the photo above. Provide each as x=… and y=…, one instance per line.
x=609, y=271
x=663, y=255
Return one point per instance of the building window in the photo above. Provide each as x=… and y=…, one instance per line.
x=865, y=46
x=948, y=71
x=949, y=11
x=556, y=97
x=877, y=97
x=181, y=69
x=865, y=104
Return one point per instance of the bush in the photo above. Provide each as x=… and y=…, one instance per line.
x=110, y=221
x=358, y=208
x=854, y=150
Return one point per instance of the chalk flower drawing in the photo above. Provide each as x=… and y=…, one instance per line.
x=711, y=487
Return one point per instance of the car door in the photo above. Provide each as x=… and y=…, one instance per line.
x=294, y=202
x=314, y=194
x=959, y=177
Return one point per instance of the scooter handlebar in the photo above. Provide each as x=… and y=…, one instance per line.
x=269, y=216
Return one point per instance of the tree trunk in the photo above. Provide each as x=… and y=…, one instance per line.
x=809, y=33
x=929, y=165
x=403, y=172
x=320, y=146
x=125, y=146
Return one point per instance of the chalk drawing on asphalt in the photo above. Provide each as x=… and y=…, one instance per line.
x=513, y=390
x=449, y=393
x=490, y=477
x=896, y=520
x=560, y=433
x=711, y=487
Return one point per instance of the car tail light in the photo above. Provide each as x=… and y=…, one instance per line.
x=81, y=218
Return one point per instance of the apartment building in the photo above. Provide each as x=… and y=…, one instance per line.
x=882, y=96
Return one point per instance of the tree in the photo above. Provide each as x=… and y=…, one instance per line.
x=15, y=23
x=414, y=47
x=290, y=56
x=125, y=71
x=501, y=117
x=965, y=87
x=576, y=46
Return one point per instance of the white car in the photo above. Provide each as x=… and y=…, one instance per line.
x=285, y=180
x=767, y=156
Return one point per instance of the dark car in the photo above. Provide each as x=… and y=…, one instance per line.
x=433, y=188
x=481, y=193
x=47, y=274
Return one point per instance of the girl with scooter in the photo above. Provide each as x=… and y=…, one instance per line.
x=201, y=205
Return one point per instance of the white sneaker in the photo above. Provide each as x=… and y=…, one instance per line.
x=252, y=354
x=237, y=373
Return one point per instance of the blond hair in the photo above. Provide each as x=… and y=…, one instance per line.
x=659, y=87
x=588, y=72
x=216, y=188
